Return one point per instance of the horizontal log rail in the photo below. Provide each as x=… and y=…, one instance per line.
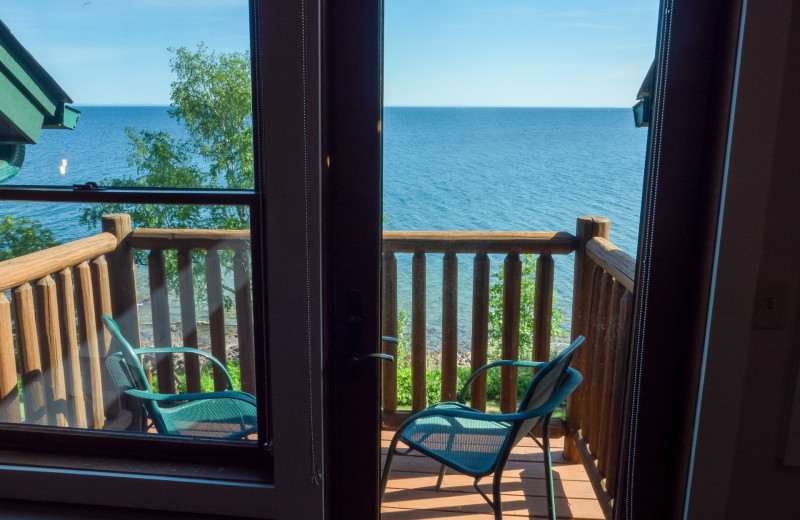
x=186, y=239
x=26, y=268
x=492, y=242
x=480, y=244
x=613, y=260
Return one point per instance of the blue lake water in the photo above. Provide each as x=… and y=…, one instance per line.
x=508, y=169
x=494, y=169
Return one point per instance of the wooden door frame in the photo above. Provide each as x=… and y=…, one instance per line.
x=696, y=57
x=352, y=144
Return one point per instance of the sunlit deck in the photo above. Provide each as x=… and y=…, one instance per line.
x=411, y=492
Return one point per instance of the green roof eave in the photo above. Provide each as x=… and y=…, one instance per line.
x=30, y=99
x=66, y=117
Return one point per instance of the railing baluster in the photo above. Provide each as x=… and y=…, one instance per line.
x=618, y=393
x=598, y=367
x=418, y=326
x=589, y=368
x=449, y=326
x=244, y=321
x=76, y=404
x=610, y=352
x=50, y=351
x=512, y=278
x=188, y=319
x=216, y=315
x=102, y=306
x=480, y=328
x=33, y=395
x=159, y=308
x=389, y=328
x=90, y=356
x=9, y=393
x=543, y=308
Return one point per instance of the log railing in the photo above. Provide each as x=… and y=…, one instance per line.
x=57, y=298
x=52, y=336
x=211, y=243
x=479, y=244
x=57, y=345
x=602, y=311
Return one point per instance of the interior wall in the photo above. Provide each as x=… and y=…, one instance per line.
x=761, y=485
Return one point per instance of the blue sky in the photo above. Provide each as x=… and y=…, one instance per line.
x=437, y=52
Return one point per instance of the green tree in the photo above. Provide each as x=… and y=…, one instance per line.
x=210, y=98
x=20, y=236
x=527, y=298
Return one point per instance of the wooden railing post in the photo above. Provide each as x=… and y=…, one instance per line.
x=50, y=350
x=120, y=269
x=543, y=308
x=449, y=326
x=89, y=351
x=596, y=381
x=389, y=328
x=33, y=395
x=419, y=363
x=9, y=394
x=188, y=319
x=480, y=328
x=244, y=320
x=512, y=279
x=618, y=390
x=587, y=228
x=159, y=308
x=216, y=315
x=76, y=404
x=610, y=349
x=102, y=305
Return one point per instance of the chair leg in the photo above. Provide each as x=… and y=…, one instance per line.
x=548, y=469
x=441, y=476
x=496, y=505
x=388, y=464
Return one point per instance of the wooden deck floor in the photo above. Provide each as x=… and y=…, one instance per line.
x=411, y=492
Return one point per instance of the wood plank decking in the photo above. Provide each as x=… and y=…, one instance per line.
x=411, y=492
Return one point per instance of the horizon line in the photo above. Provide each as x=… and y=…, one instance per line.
x=385, y=106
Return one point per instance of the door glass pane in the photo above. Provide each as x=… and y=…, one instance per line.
x=505, y=124
x=156, y=93
x=182, y=287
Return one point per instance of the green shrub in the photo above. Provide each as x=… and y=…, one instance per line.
x=433, y=384
x=206, y=377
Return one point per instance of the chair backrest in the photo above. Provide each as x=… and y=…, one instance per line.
x=124, y=367
x=544, y=384
x=126, y=371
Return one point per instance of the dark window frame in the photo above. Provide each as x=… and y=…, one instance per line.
x=280, y=34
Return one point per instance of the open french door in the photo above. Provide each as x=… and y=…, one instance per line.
x=352, y=35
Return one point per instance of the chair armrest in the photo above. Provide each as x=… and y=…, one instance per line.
x=503, y=363
x=227, y=394
x=184, y=350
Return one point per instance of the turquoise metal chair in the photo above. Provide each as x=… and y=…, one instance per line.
x=227, y=414
x=478, y=444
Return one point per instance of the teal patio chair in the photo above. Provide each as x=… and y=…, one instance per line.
x=478, y=444
x=227, y=414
